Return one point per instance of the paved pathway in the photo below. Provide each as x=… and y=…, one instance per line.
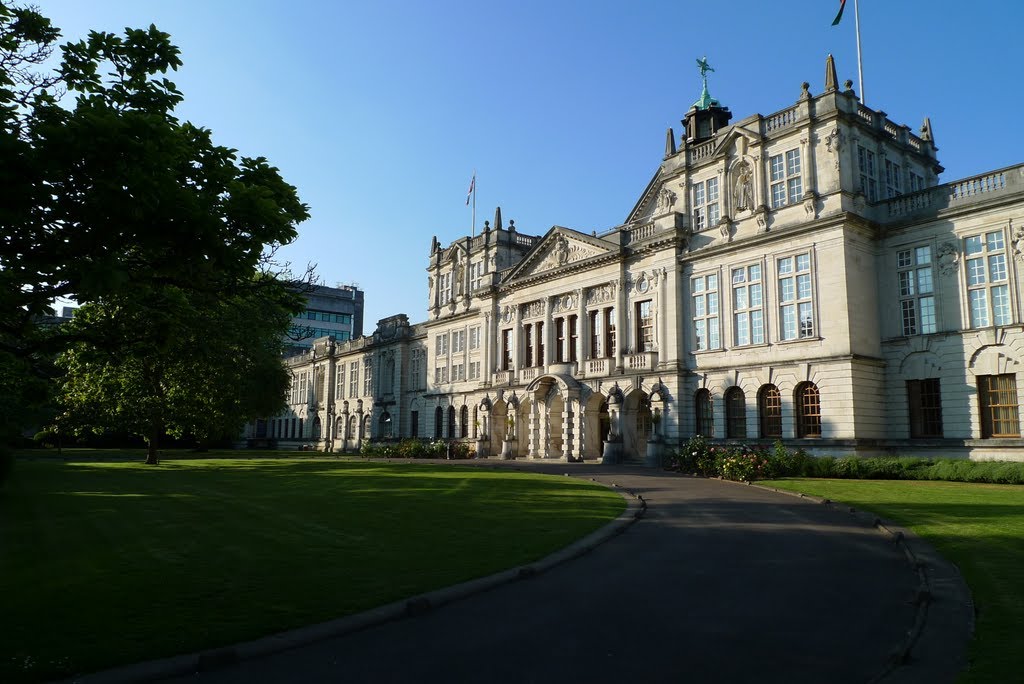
x=717, y=582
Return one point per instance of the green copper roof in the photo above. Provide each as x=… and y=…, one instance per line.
x=705, y=100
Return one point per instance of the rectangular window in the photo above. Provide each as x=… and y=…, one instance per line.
x=339, y=381
x=748, y=305
x=796, y=301
x=785, y=173
x=458, y=341
x=458, y=372
x=644, y=327
x=474, y=370
x=441, y=345
x=609, y=332
x=868, y=177
x=706, y=210
x=476, y=274
x=573, y=337
x=474, y=337
x=415, y=371
x=353, y=380
x=540, y=343
x=527, y=345
x=367, y=376
x=893, y=187
x=917, y=291
x=506, y=349
x=916, y=182
x=988, y=291
x=445, y=287
x=444, y=374
x=924, y=400
x=595, y=334
x=414, y=424
x=559, y=340
x=303, y=396
x=704, y=291
x=997, y=395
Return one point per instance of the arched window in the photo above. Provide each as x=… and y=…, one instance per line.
x=769, y=411
x=353, y=428
x=451, y=422
x=735, y=413
x=705, y=418
x=384, y=426
x=808, y=410
x=315, y=428
x=464, y=421
x=438, y=422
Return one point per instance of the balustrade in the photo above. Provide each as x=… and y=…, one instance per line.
x=643, y=361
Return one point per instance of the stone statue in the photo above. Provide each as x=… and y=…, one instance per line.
x=743, y=191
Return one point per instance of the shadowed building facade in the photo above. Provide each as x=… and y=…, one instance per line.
x=801, y=276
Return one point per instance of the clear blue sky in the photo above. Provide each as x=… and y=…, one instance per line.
x=379, y=111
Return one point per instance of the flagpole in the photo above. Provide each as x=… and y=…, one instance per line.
x=474, y=203
x=860, y=67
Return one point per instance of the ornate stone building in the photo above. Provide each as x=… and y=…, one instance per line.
x=800, y=276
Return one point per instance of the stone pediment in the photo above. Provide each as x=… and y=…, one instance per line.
x=559, y=248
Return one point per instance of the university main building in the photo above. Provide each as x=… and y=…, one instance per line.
x=799, y=276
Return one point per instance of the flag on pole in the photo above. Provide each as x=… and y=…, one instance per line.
x=839, y=17
x=472, y=186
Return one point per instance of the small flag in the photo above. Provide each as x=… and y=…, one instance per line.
x=839, y=17
x=472, y=186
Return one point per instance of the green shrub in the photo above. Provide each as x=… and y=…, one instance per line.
x=45, y=438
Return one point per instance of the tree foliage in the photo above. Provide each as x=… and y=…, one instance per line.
x=167, y=238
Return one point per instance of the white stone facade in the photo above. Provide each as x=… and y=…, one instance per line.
x=800, y=276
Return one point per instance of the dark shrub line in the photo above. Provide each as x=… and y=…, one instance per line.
x=745, y=464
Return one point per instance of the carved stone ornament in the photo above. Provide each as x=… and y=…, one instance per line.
x=1018, y=245
x=666, y=199
x=507, y=314
x=600, y=294
x=834, y=144
x=533, y=309
x=643, y=284
x=564, y=252
x=948, y=258
x=726, y=228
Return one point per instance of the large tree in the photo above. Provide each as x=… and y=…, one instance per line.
x=141, y=217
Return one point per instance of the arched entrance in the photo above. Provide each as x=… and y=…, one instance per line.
x=636, y=425
x=596, y=425
x=555, y=427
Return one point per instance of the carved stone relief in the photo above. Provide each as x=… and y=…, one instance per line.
x=1018, y=245
x=601, y=294
x=948, y=258
x=666, y=199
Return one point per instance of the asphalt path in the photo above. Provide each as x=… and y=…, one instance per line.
x=716, y=582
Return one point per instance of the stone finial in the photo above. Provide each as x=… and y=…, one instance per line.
x=670, y=143
x=848, y=85
x=511, y=225
x=926, y=130
x=497, y=219
x=830, y=75
x=805, y=91
x=487, y=226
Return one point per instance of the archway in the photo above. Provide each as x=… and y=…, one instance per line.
x=636, y=425
x=556, y=419
x=523, y=428
x=596, y=426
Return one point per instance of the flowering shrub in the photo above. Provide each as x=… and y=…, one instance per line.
x=744, y=466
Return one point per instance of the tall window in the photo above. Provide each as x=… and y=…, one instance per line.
x=474, y=370
x=506, y=349
x=384, y=425
x=474, y=337
x=796, y=305
x=441, y=345
x=339, y=381
x=785, y=173
x=458, y=372
x=769, y=410
x=916, y=182
x=595, y=334
x=893, y=187
x=414, y=424
x=353, y=379
x=987, y=291
x=704, y=415
x=997, y=395
x=559, y=340
x=644, y=327
x=416, y=370
x=808, y=410
x=609, y=332
x=464, y=421
x=540, y=343
x=445, y=287
x=476, y=274
x=527, y=345
x=573, y=336
x=303, y=395
x=868, y=177
x=705, y=311
x=748, y=303
x=438, y=422
x=458, y=341
x=735, y=413
x=451, y=422
x=705, y=204
x=924, y=399
x=917, y=299
x=367, y=376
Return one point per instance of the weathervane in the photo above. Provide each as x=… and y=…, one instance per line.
x=705, y=100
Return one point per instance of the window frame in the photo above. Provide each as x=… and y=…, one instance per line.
x=1007, y=409
x=706, y=311
x=807, y=405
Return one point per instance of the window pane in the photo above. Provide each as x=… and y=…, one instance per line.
x=786, y=265
x=975, y=271
x=994, y=241
x=903, y=259
x=740, y=297
x=713, y=342
x=979, y=308
x=756, y=327
x=803, y=286
x=973, y=244
x=786, y=290
x=789, y=322
x=997, y=267
x=742, y=329
x=906, y=283
x=738, y=275
x=927, y=314
x=1001, y=305
x=755, y=272
x=924, y=280
x=775, y=164
x=755, y=295
x=924, y=255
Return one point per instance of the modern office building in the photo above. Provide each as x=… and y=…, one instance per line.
x=802, y=275
x=330, y=311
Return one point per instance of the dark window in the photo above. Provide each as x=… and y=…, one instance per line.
x=808, y=410
x=414, y=424
x=997, y=395
x=925, y=401
x=540, y=345
x=506, y=350
x=595, y=334
x=609, y=332
x=559, y=340
x=385, y=425
x=573, y=336
x=464, y=419
x=451, y=422
x=527, y=345
x=705, y=417
x=735, y=413
x=438, y=422
x=644, y=327
x=769, y=410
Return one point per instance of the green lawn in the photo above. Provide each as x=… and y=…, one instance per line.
x=980, y=527
x=104, y=563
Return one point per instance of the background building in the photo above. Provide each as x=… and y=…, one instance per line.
x=800, y=276
x=330, y=311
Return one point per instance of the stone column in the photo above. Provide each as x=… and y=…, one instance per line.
x=661, y=337
x=487, y=342
x=532, y=434
x=567, y=431
x=581, y=326
x=621, y=333
x=577, y=427
x=548, y=356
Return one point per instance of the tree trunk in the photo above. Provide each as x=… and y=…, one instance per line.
x=152, y=457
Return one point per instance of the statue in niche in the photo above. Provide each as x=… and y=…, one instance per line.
x=561, y=250
x=460, y=272
x=743, y=191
